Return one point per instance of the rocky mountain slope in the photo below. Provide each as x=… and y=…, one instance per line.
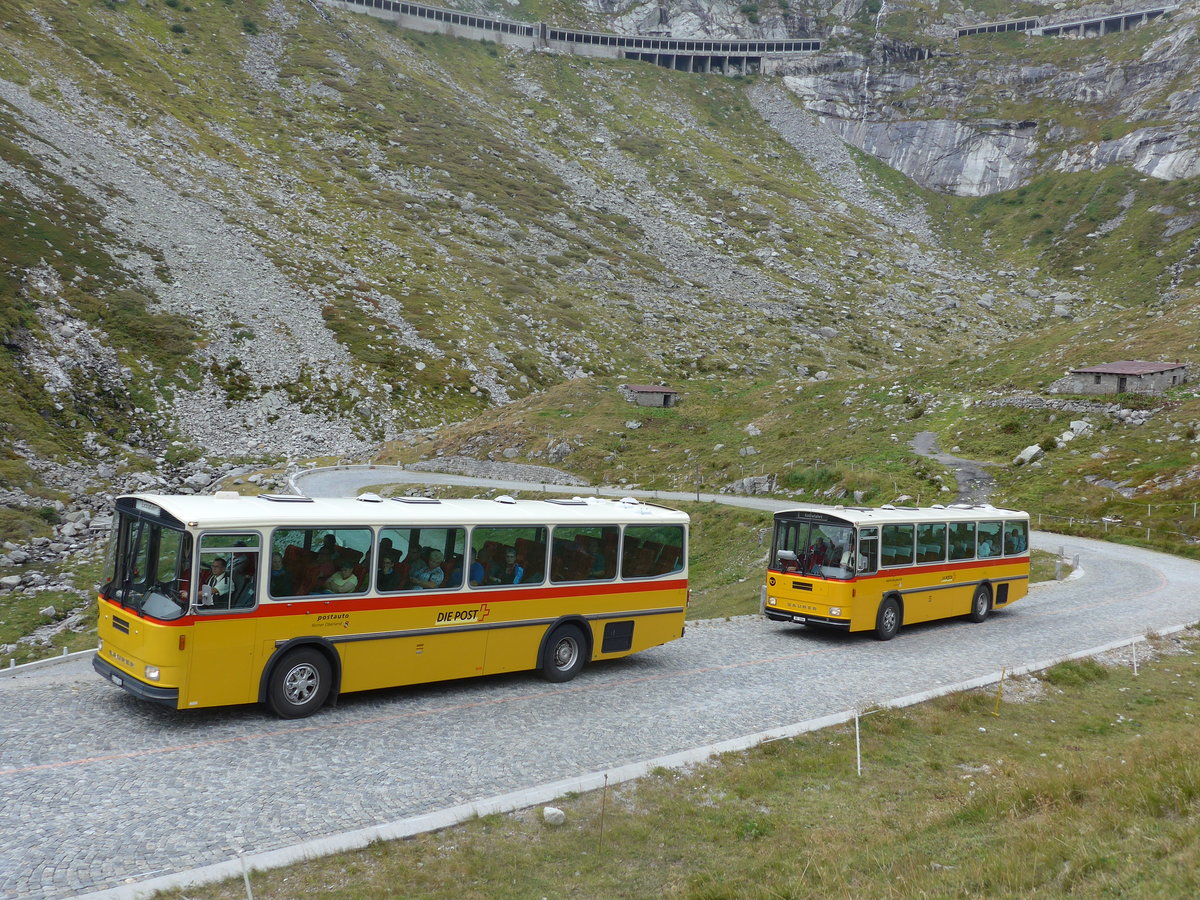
x=271, y=230
x=989, y=112
x=984, y=113
x=263, y=228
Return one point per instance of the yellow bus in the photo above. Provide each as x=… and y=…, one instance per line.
x=291, y=601
x=864, y=569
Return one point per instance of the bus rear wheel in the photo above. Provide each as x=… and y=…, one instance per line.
x=563, y=656
x=887, y=621
x=981, y=605
x=300, y=684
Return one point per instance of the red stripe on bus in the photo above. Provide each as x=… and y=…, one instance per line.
x=412, y=600
x=915, y=569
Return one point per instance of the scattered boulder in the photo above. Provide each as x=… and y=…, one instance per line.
x=1029, y=454
x=754, y=484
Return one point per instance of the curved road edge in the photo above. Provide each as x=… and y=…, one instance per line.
x=347, y=480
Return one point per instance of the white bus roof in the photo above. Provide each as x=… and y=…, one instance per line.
x=230, y=510
x=868, y=515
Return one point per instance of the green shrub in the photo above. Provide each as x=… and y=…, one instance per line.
x=1075, y=673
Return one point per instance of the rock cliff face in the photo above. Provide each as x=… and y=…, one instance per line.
x=934, y=118
x=982, y=114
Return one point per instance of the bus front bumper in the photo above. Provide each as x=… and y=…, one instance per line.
x=165, y=696
x=779, y=615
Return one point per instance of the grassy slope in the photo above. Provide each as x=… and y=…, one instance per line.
x=1087, y=787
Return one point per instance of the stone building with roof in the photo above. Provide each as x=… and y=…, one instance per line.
x=657, y=395
x=1123, y=377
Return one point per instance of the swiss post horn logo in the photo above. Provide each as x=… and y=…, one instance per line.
x=463, y=616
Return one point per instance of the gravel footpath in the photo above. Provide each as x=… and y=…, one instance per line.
x=102, y=790
x=975, y=483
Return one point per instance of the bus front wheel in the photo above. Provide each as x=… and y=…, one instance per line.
x=981, y=605
x=564, y=654
x=300, y=684
x=887, y=621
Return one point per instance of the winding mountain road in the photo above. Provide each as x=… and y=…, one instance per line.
x=106, y=794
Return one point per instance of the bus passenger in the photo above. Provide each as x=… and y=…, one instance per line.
x=1016, y=540
x=219, y=583
x=506, y=572
x=593, y=553
x=427, y=570
x=388, y=578
x=282, y=583
x=328, y=552
x=343, y=581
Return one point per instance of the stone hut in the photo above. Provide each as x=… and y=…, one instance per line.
x=651, y=395
x=1124, y=377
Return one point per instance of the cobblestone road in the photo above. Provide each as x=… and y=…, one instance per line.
x=99, y=789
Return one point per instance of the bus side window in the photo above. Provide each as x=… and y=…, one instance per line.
x=898, y=545
x=962, y=540
x=506, y=554
x=1016, y=538
x=931, y=542
x=989, y=540
x=320, y=561
x=587, y=553
x=228, y=571
x=868, y=551
x=649, y=550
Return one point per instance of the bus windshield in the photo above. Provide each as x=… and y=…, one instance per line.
x=821, y=549
x=148, y=568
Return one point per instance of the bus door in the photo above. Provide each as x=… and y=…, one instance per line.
x=224, y=668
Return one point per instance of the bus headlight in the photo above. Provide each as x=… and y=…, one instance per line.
x=835, y=610
x=770, y=601
x=152, y=673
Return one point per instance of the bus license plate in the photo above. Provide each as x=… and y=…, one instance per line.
x=799, y=620
x=116, y=679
